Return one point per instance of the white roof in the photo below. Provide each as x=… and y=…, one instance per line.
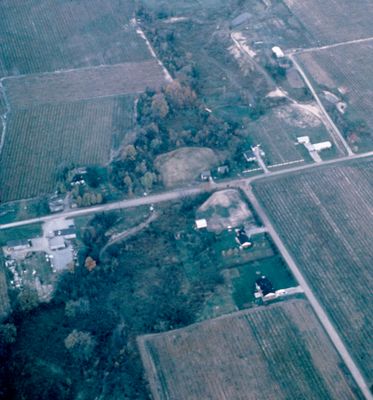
x=201, y=223
x=303, y=139
x=277, y=50
x=322, y=146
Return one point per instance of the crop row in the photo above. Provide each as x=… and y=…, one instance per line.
x=41, y=139
x=325, y=220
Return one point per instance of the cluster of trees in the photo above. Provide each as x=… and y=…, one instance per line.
x=87, y=333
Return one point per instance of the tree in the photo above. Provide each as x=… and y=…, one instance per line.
x=90, y=263
x=80, y=344
x=8, y=333
x=129, y=153
x=159, y=106
x=77, y=307
x=28, y=299
x=129, y=184
x=148, y=180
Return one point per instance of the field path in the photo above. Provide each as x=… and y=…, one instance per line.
x=129, y=232
x=324, y=319
x=338, y=138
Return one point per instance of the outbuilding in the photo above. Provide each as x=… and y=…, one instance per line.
x=201, y=224
x=57, y=243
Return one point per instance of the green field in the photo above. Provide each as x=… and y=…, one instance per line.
x=41, y=139
x=325, y=219
x=48, y=35
x=280, y=351
x=21, y=233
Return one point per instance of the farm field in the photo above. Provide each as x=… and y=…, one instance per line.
x=331, y=242
x=42, y=138
x=324, y=19
x=345, y=72
x=82, y=84
x=40, y=36
x=278, y=352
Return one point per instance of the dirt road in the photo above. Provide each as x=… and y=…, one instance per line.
x=338, y=138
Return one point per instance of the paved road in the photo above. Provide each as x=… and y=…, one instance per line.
x=178, y=193
x=324, y=319
x=339, y=140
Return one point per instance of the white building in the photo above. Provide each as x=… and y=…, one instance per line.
x=322, y=146
x=278, y=52
x=201, y=223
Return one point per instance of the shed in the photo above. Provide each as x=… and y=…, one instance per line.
x=223, y=170
x=201, y=223
x=303, y=139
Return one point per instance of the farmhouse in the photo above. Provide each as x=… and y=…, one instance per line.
x=242, y=239
x=278, y=52
x=205, y=175
x=264, y=286
x=16, y=245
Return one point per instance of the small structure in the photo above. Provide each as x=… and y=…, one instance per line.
x=68, y=233
x=277, y=51
x=201, y=224
x=249, y=156
x=16, y=245
x=223, y=170
x=322, y=146
x=55, y=204
x=240, y=19
x=242, y=239
x=303, y=139
x=205, y=175
x=57, y=243
x=264, y=287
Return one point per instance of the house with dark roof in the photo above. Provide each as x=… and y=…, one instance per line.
x=264, y=286
x=242, y=239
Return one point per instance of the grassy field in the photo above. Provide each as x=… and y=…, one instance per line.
x=331, y=241
x=345, y=71
x=39, y=36
x=325, y=18
x=82, y=84
x=277, y=352
x=21, y=233
x=42, y=138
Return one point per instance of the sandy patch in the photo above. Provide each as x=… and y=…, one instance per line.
x=223, y=209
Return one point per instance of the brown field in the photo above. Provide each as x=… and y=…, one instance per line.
x=334, y=21
x=325, y=219
x=224, y=208
x=346, y=72
x=82, y=84
x=184, y=164
x=279, y=351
